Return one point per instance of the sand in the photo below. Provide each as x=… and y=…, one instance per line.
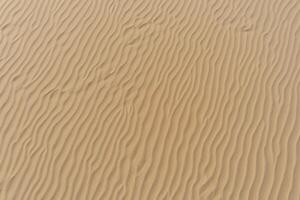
x=149, y=99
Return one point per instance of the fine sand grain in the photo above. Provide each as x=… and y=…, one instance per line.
x=149, y=99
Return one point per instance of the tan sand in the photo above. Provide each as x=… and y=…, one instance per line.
x=149, y=99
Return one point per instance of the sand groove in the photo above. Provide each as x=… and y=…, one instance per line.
x=148, y=99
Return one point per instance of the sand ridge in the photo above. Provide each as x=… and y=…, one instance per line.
x=149, y=99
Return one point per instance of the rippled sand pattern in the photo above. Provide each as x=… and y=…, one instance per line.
x=149, y=99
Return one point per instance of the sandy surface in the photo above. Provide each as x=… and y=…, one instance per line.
x=149, y=99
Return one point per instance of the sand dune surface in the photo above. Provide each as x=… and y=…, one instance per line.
x=149, y=99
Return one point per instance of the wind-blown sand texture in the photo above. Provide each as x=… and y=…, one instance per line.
x=149, y=99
